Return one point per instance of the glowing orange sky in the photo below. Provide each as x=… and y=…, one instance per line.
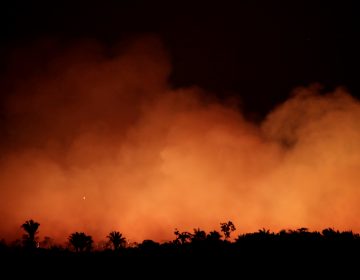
x=149, y=158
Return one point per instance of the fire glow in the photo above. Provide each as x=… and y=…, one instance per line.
x=151, y=158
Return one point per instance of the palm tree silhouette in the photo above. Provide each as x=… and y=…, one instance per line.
x=30, y=228
x=80, y=241
x=117, y=240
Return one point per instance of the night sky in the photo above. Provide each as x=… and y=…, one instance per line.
x=256, y=50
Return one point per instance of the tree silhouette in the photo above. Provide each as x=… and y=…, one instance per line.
x=330, y=233
x=198, y=235
x=214, y=236
x=264, y=234
x=80, y=241
x=264, y=231
x=302, y=230
x=30, y=228
x=117, y=240
x=227, y=229
x=149, y=245
x=47, y=242
x=182, y=237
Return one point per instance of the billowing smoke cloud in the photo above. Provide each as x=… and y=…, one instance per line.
x=97, y=140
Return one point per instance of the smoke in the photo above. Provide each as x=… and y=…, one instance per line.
x=96, y=140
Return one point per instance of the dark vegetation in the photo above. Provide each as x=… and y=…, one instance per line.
x=299, y=250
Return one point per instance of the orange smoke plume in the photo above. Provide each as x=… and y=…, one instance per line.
x=98, y=140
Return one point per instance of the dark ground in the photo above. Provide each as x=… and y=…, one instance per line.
x=254, y=258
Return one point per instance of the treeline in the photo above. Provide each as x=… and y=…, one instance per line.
x=198, y=254
x=196, y=241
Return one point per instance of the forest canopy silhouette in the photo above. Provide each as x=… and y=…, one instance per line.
x=195, y=252
x=198, y=239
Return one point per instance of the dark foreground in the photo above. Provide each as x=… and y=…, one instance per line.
x=250, y=258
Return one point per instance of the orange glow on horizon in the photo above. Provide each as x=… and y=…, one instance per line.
x=145, y=158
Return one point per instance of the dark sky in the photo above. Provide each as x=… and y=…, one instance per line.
x=256, y=50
